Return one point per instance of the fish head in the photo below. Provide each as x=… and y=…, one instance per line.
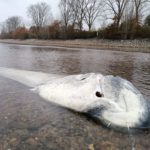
x=113, y=101
x=120, y=104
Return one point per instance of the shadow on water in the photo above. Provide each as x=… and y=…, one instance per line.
x=27, y=122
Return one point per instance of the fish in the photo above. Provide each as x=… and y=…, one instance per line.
x=111, y=100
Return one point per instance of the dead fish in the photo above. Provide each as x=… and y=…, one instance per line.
x=111, y=100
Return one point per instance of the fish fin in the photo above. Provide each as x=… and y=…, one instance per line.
x=28, y=78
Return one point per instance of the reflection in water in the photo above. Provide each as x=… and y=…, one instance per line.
x=28, y=122
x=69, y=64
x=141, y=75
x=122, y=67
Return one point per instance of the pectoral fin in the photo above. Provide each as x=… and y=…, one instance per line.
x=28, y=78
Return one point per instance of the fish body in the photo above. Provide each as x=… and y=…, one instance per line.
x=113, y=101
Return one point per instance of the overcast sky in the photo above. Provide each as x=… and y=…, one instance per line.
x=19, y=8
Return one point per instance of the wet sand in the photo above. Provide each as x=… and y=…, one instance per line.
x=119, y=45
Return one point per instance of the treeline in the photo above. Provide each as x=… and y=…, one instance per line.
x=53, y=31
x=119, y=19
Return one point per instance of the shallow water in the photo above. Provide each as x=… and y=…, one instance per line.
x=29, y=123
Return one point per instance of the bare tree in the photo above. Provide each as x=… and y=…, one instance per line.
x=78, y=12
x=12, y=23
x=116, y=7
x=127, y=20
x=39, y=14
x=4, y=31
x=66, y=12
x=139, y=6
x=138, y=9
x=147, y=21
x=74, y=12
x=80, y=6
x=92, y=11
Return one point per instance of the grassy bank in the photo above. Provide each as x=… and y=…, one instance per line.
x=120, y=45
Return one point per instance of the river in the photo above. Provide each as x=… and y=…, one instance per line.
x=29, y=123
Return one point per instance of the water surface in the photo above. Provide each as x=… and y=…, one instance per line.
x=28, y=122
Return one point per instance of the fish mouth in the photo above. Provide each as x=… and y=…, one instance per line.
x=121, y=129
x=96, y=114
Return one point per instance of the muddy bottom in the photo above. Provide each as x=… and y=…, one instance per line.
x=27, y=122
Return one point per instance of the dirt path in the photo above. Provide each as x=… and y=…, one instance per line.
x=128, y=45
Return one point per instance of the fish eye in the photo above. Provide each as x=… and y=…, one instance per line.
x=83, y=78
x=98, y=94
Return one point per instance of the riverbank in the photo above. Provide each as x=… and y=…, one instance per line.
x=120, y=45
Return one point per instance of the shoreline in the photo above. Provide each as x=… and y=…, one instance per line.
x=116, y=45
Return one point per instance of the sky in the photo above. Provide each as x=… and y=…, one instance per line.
x=10, y=8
